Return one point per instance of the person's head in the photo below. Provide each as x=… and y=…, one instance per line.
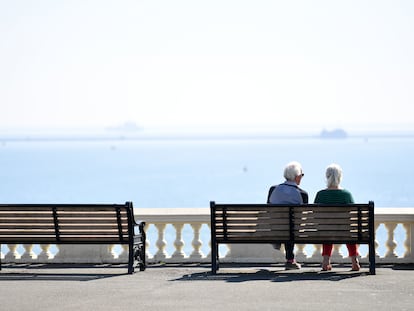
x=333, y=176
x=293, y=172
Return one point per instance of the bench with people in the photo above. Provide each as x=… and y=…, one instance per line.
x=288, y=218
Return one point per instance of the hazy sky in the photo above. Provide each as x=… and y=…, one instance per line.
x=79, y=63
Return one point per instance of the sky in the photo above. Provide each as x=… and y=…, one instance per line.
x=207, y=64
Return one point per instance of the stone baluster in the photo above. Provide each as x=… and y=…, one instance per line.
x=44, y=255
x=12, y=255
x=124, y=254
x=209, y=242
x=28, y=255
x=160, y=255
x=147, y=244
x=390, y=244
x=196, y=243
x=336, y=253
x=377, y=224
x=317, y=253
x=113, y=253
x=299, y=252
x=409, y=240
x=178, y=243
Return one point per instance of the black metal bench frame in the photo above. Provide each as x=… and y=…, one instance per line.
x=301, y=224
x=74, y=224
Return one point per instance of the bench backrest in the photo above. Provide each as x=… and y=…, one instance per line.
x=66, y=223
x=308, y=223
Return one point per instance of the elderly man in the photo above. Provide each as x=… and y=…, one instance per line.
x=289, y=193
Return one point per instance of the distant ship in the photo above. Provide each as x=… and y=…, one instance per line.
x=333, y=134
x=129, y=126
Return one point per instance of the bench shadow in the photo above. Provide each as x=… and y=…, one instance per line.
x=273, y=275
x=60, y=272
x=408, y=266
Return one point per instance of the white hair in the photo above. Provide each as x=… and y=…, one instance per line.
x=333, y=175
x=292, y=170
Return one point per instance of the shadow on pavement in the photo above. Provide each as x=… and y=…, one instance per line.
x=273, y=275
x=58, y=272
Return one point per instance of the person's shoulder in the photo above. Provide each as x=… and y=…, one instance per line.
x=321, y=191
x=269, y=193
x=348, y=194
x=272, y=187
x=320, y=196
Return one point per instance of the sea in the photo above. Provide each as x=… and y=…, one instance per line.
x=171, y=172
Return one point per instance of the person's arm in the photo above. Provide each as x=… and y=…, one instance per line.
x=304, y=195
x=270, y=193
x=317, y=200
x=350, y=198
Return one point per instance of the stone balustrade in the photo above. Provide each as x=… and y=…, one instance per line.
x=182, y=235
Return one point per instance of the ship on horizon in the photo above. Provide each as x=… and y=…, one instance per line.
x=333, y=134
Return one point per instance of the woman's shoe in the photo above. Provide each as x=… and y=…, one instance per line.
x=326, y=263
x=326, y=267
x=355, y=265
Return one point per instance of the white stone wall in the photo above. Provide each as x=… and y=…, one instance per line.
x=183, y=236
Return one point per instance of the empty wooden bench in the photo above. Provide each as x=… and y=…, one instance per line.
x=301, y=224
x=74, y=224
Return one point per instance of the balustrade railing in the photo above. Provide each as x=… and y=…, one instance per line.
x=183, y=236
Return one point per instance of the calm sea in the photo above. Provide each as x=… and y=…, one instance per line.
x=189, y=172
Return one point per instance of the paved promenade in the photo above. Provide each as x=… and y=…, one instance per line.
x=53, y=287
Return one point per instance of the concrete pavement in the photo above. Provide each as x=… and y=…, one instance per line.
x=168, y=287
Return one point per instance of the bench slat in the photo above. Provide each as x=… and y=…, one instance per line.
x=255, y=221
x=22, y=215
x=254, y=227
x=28, y=228
x=253, y=236
x=83, y=215
x=10, y=221
x=333, y=227
x=28, y=233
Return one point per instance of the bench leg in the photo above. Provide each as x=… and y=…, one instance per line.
x=139, y=248
x=143, y=264
x=131, y=259
x=141, y=252
x=371, y=256
x=139, y=255
x=214, y=258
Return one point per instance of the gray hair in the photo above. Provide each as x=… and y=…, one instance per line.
x=333, y=175
x=292, y=170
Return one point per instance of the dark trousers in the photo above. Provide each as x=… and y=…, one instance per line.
x=289, y=250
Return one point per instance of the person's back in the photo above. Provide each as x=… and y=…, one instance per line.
x=334, y=196
x=286, y=193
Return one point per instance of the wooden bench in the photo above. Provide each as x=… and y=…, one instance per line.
x=301, y=224
x=74, y=224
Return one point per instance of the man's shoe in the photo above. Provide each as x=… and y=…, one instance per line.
x=293, y=265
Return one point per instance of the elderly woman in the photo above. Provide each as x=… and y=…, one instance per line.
x=334, y=194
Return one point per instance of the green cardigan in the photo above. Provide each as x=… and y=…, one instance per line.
x=334, y=196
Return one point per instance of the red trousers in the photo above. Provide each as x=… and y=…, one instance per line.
x=327, y=250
